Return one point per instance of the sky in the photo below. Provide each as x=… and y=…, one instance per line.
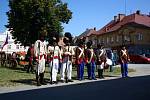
x=88, y=14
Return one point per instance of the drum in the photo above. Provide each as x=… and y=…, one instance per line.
x=108, y=61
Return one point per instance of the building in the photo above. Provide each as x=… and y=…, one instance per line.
x=88, y=35
x=11, y=46
x=132, y=30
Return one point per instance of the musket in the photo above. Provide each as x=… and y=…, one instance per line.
x=52, y=65
x=38, y=58
x=66, y=71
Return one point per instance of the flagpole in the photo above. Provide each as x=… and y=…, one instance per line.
x=6, y=54
x=6, y=43
x=125, y=7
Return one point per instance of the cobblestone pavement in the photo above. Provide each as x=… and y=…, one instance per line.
x=141, y=70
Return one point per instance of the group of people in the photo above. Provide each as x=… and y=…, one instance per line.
x=62, y=57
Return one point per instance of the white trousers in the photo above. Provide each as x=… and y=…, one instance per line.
x=41, y=66
x=66, y=66
x=54, y=65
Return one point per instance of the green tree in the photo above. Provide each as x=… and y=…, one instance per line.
x=27, y=19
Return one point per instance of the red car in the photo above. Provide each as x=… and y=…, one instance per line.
x=140, y=59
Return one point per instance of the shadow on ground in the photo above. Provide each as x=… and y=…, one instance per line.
x=132, y=88
x=25, y=81
x=33, y=81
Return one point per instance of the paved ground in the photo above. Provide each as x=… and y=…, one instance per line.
x=141, y=69
x=136, y=87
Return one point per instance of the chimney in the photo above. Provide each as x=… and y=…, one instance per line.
x=95, y=28
x=138, y=12
x=115, y=18
x=121, y=16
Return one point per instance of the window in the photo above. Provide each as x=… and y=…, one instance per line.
x=17, y=46
x=93, y=40
x=127, y=38
x=9, y=46
x=21, y=47
x=8, y=37
x=103, y=41
x=139, y=36
x=117, y=39
x=99, y=41
x=112, y=39
x=107, y=40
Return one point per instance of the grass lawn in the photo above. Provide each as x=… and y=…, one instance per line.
x=18, y=76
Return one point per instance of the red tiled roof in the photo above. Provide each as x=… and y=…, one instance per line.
x=88, y=32
x=133, y=18
x=92, y=31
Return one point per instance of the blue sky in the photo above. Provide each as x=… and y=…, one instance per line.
x=89, y=13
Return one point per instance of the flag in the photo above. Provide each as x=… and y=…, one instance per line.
x=6, y=42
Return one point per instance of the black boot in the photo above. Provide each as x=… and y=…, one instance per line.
x=42, y=79
x=28, y=68
x=100, y=73
x=38, y=80
x=66, y=79
x=32, y=69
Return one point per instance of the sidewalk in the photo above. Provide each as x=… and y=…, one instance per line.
x=31, y=87
x=141, y=70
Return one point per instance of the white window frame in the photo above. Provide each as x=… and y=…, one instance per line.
x=140, y=36
x=107, y=40
x=117, y=38
x=112, y=39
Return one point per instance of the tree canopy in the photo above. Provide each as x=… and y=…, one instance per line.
x=28, y=19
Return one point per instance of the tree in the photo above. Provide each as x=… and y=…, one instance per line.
x=27, y=19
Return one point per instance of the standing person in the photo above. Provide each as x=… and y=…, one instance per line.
x=80, y=60
x=90, y=60
x=40, y=54
x=30, y=58
x=68, y=53
x=110, y=56
x=124, y=58
x=54, y=62
x=14, y=60
x=101, y=59
x=50, y=59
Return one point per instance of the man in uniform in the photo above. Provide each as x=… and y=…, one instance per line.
x=124, y=58
x=55, y=57
x=90, y=61
x=40, y=54
x=30, y=58
x=80, y=59
x=101, y=59
x=68, y=52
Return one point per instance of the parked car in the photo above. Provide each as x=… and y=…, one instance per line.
x=140, y=59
